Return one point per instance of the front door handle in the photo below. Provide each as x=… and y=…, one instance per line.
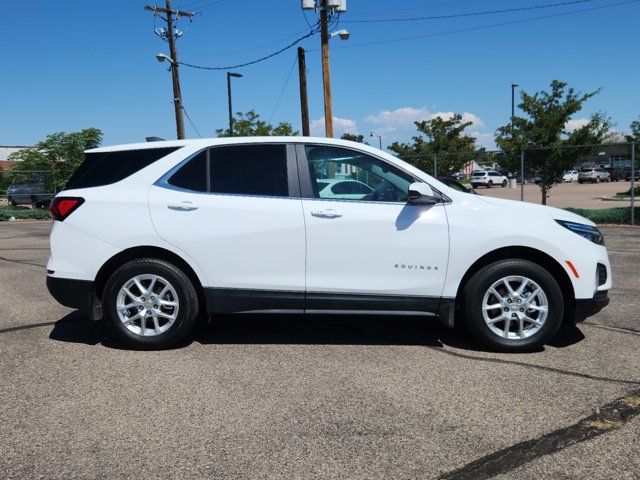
x=328, y=213
x=185, y=206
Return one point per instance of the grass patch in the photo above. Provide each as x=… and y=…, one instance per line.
x=620, y=215
x=23, y=213
x=632, y=400
x=627, y=194
x=605, y=425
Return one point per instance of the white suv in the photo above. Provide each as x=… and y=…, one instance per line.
x=488, y=179
x=152, y=236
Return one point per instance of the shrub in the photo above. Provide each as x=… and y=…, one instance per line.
x=23, y=213
x=620, y=215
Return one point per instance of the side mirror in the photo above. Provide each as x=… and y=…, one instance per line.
x=421, y=194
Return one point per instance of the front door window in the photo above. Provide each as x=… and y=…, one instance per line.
x=344, y=174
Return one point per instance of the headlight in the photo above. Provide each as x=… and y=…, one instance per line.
x=586, y=231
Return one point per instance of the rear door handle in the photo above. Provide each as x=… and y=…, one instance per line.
x=328, y=213
x=185, y=206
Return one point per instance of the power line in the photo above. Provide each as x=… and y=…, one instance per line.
x=261, y=47
x=484, y=27
x=284, y=87
x=189, y=118
x=396, y=10
x=471, y=14
x=261, y=59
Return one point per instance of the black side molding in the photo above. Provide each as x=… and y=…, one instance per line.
x=232, y=300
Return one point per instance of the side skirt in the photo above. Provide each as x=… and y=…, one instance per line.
x=232, y=300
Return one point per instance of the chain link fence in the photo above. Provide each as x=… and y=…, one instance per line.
x=600, y=182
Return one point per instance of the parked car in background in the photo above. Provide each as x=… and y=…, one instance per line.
x=345, y=189
x=615, y=173
x=453, y=183
x=458, y=176
x=28, y=193
x=570, y=176
x=593, y=175
x=626, y=174
x=488, y=179
x=152, y=237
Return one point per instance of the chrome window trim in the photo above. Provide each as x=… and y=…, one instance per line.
x=445, y=199
x=163, y=182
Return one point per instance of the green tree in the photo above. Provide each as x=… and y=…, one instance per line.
x=60, y=153
x=249, y=125
x=635, y=132
x=543, y=130
x=354, y=138
x=442, y=140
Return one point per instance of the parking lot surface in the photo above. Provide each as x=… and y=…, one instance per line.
x=312, y=397
x=565, y=195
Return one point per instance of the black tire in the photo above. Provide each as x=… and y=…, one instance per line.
x=504, y=183
x=478, y=285
x=12, y=202
x=490, y=184
x=187, y=296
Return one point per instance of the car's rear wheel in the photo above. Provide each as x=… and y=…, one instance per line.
x=504, y=183
x=513, y=306
x=150, y=303
x=490, y=184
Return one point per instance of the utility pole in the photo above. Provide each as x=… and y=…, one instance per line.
x=513, y=101
x=304, y=102
x=175, y=75
x=326, y=71
x=229, y=75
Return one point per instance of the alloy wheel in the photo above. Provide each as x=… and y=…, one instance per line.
x=147, y=305
x=515, y=307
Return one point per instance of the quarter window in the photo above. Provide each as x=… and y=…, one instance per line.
x=105, y=168
x=192, y=175
x=249, y=170
x=344, y=174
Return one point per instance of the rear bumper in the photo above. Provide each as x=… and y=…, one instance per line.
x=75, y=294
x=585, y=308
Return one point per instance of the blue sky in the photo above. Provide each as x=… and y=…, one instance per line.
x=69, y=65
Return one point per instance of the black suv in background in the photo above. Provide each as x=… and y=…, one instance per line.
x=626, y=174
x=615, y=174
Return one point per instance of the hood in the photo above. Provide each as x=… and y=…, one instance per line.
x=553, y=212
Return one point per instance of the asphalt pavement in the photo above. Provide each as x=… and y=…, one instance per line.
x=312, y=397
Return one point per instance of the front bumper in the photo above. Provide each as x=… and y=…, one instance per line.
x=585, y=308
x=73, y=293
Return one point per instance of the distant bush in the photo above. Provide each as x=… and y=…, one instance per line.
x=23, y=213
x=628, y=192
x=620, y=215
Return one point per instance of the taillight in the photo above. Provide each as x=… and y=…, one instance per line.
x=62, y=207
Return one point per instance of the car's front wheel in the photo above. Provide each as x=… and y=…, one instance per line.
x=150, y=303
x=504, y=183
x=513, y=306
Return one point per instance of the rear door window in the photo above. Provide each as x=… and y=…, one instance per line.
x=105, y=168
x=249, y=170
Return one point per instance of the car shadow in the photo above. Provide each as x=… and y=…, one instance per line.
x=303, y=330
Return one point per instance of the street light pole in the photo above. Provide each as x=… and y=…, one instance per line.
x=513, y=101
x=374, y=134
x=229, y=75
